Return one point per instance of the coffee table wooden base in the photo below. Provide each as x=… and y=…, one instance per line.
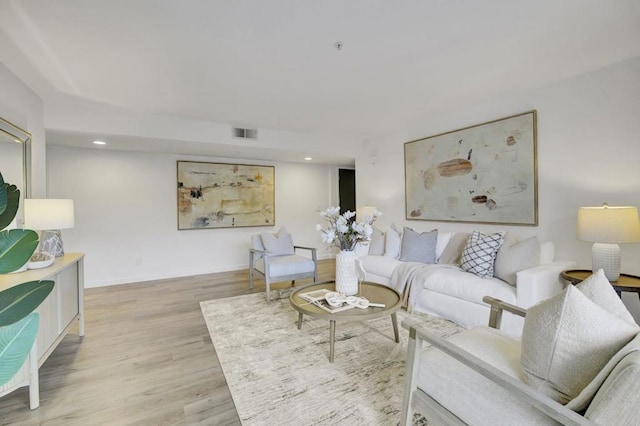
x=388, y=296
x=332, y=332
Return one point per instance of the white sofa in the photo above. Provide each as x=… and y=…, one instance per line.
x=445, y=290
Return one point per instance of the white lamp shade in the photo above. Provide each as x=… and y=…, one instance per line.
x=608, y=224
x=365, y=211
x=48, y=214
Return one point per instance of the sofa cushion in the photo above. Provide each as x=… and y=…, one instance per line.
x=475, y=399
x=584, y=398
x=480, y=252
x=599, y=290
x=379, y=265
x=453, y=251
x=376, y=245
x=392, y=241
x=516, y=256
x=450, y=280
x=616, y=401
x=567, y=339
x=418, y=247
x=280, y=243
x=280, y=266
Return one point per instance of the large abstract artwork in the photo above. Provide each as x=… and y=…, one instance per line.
x=219, y=195
x=485, y=174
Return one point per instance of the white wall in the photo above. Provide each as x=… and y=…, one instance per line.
x=126, y=215
x=588, y=153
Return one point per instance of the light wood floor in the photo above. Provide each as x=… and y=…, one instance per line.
x=146, y=359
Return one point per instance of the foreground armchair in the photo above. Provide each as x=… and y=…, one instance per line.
x=555, y=375
x=274, y=258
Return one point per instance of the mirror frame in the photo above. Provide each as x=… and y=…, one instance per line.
x=23, y=137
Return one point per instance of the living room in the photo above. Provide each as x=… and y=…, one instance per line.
x=578, y=67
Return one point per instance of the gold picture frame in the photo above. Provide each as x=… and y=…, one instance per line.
x=486, y=173
x=225, y=195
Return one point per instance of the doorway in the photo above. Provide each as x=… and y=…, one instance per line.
x=347, y=189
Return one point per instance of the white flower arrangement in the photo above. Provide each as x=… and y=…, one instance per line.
x=343, y=231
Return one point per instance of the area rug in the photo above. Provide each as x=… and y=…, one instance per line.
x=279, y=375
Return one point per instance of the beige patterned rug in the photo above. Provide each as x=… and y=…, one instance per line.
x=279, y=375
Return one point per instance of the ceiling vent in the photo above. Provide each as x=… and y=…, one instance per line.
x=241, y=133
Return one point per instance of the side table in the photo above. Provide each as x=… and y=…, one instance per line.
x=625, y=282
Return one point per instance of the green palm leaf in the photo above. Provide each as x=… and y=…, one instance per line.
x=16, y=247
x=16, y=341
x=11, y=203
x=3, y=196
x=18, y=301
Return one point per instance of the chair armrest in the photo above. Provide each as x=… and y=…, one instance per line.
x=497, y=307
x=520, y=390
x=541, y=282
x=312, y=249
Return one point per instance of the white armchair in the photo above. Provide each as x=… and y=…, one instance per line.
x=482, y=376
x=274, y=259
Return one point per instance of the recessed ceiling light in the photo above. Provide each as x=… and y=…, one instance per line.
x=99, y=143
x=308, y=158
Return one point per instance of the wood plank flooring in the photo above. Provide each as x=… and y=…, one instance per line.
x=146, y=358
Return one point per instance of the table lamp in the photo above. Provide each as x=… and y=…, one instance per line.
x=607, y=226
x=49, y=216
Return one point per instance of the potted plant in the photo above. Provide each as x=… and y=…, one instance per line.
x=18, y=322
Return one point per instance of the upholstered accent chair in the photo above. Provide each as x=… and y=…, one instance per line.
x=578, y=363
x=274, y=258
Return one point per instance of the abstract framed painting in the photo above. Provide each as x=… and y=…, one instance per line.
x=221, y=195
x=485, y=173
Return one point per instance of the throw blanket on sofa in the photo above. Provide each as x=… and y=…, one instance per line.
x=408, y=274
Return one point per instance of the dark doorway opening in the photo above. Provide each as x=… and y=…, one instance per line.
x=347, y=189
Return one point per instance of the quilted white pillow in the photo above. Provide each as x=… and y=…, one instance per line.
x=280, y=243
x=567, y=339
x=599, y=290
x=480, y=252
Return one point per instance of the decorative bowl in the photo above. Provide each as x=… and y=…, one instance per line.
x=40, y=260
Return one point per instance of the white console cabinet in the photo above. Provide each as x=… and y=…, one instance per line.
x=57, y=315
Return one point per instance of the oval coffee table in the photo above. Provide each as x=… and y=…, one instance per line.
x=376, y=293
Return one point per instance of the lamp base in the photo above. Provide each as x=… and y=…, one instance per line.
x=51, y=242
x=607, y=258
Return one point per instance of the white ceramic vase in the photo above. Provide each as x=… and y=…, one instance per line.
x=346, y=277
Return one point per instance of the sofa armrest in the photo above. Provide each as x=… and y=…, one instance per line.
x=536, y=284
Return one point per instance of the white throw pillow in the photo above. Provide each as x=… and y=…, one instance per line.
x=392, y=241
x=376, y=245
x=480, y=253
x=567, y=339
x=418, y=247
x=441, y=243
x=599, y=290
x=515, y=256
x=453, y=251
x=280, y=243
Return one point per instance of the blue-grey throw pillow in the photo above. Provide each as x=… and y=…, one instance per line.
x=418, y=247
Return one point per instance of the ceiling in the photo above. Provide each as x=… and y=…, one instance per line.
x=273, y=64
